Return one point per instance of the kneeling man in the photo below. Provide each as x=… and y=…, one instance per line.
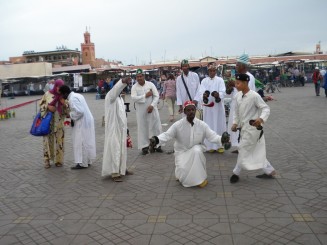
x=189, y=133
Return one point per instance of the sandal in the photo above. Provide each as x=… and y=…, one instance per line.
x=47, y=164
x=117, y=179
x=58, y=164
x=265, y=176
x=203, y=184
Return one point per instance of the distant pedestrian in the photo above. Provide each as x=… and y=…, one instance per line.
x=83, y=132
x=250, y=113
x=106, y=84
x=53, y=143
x=316, y=79
x=323, y=73
x=169, y=95
x=154, y=81
x=325, y=84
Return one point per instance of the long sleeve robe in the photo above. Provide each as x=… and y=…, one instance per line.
x=83, y=132
x=214, y=116
x=252, y=150
x=148, y=124
x=251, y=83
x=115, y=148
x=233, y=135
x=189, y=147
x=193, y=84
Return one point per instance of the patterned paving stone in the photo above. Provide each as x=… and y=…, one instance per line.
x=61, y=206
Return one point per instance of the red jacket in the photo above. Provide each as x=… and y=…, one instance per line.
x=316, y=77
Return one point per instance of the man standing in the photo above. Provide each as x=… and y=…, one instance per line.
x=189, y=133
x=106, y=84
x=250, y=113
x=316, y=79
x=83, y=133
x=187, y=85
x=242, y=66
x=146, y=97
x=212, y=91
x=115, y=149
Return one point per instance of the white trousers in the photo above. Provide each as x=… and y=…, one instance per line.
x=267, y=169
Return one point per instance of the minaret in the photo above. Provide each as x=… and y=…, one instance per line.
x=318, y=48
x=88, y=52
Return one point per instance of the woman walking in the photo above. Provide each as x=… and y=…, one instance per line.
x=169, y=95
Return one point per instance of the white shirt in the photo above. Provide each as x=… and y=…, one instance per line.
x=187, y=136
x=83, y=133
x=192, y=82
x=148, y=124
x=115, y=149
x=247, y=108
x=214, y=116
x=251, y=82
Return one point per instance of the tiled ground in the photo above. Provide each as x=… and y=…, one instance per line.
x=61, y=206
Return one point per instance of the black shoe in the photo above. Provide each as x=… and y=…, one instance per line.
x=158, y=149
x=265, y=176
x=152, y=145
x=117, y=179
x=234, y=178
x=78, y=167
x=145, y=151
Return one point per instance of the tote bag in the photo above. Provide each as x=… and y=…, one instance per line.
x=41, y=125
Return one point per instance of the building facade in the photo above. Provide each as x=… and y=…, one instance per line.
x=60, y=57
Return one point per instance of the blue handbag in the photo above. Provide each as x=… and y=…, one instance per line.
x=41, y=125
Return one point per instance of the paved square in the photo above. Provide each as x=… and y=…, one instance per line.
x=61, y=206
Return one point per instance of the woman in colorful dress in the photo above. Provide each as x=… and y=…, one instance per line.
x=53, y=143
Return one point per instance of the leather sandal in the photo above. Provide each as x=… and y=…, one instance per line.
x=117, y=179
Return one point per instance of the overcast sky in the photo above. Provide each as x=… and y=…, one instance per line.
x=137, y=31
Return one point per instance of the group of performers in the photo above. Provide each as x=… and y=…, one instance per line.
x=192, y=136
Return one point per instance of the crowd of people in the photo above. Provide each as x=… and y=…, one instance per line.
x=192, y=136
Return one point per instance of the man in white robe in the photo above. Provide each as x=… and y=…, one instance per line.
x=242, y=66
x=232, y=91
x=115, y=148
x=250, y=113
x=192, y=82
x=211, y=93
x=83, y=133
x=189, y=134
x=145, y=96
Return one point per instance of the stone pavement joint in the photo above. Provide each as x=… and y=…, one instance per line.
x=61, y=206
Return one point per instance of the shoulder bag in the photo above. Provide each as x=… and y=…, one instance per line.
x=41, y=125
x=188, y=93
